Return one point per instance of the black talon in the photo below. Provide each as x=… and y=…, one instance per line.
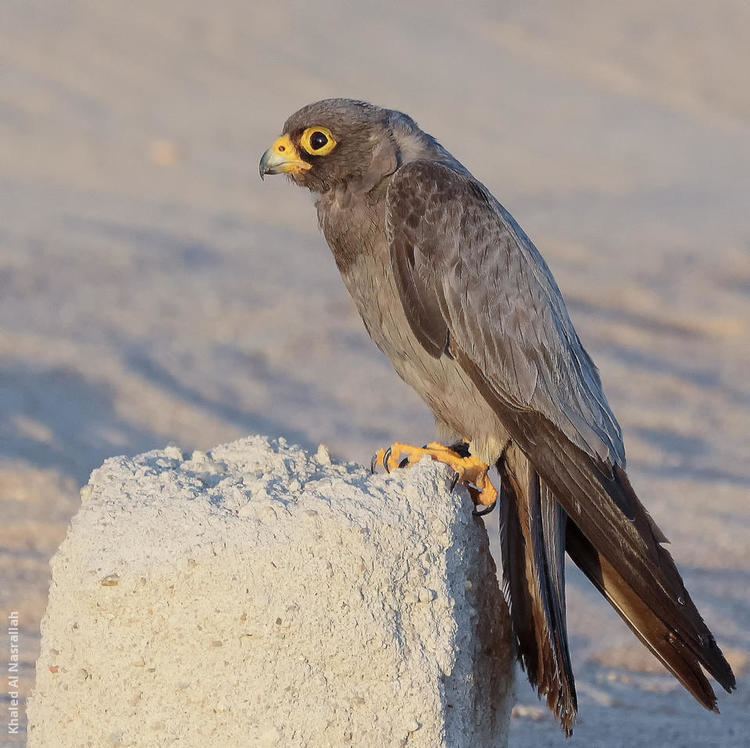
x=386, y=457
x=454, y=481
x=403, y=462
x=373, y=463
x=460, y=448
x=484, y=512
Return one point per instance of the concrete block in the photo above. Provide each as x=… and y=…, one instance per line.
x=260, y=596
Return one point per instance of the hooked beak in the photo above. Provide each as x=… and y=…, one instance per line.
x=282, y=158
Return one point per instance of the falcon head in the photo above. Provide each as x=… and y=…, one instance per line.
x=338, y=142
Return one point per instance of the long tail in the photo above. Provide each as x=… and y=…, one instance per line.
x=669, y=642
x=532, y=528
x=612, y=538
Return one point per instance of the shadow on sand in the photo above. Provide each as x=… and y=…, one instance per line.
x=55, y=418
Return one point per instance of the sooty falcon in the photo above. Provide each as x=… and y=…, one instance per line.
x=452, y=290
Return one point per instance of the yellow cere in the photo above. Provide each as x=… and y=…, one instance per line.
x=286, y=156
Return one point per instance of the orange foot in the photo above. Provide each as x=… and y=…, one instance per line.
x=470, y=471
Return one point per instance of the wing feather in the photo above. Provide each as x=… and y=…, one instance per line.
x=463, y=267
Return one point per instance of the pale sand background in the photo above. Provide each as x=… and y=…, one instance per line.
x=155, y=291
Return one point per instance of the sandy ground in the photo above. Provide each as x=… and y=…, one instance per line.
x=153, y=290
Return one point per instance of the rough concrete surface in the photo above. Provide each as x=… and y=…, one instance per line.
x=259, y=596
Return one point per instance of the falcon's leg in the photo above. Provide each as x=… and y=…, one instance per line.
x=470, y=471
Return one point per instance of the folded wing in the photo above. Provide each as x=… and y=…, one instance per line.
x=474, y=287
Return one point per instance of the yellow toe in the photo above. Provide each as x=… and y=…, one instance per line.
x=472, y=472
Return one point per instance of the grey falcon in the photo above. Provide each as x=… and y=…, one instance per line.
x=452, y=290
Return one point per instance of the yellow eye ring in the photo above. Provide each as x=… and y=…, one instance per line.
x=317, y=141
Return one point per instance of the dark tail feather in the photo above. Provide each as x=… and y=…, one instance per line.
x=623, y=549
x=532, y=527
x=623, y=553
x=649, y=628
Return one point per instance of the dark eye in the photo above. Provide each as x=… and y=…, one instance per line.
x=318, y=140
